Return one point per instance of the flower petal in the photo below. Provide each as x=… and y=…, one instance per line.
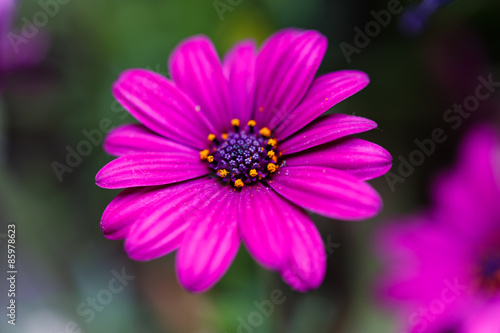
x=150, y=169
x=420, y=255
x=484, y=320
x=325, y=91
x=262, y=225
x=135, y=138
x=195, y=67
x=307, y=266
x=360, y=158
x=22, y=55
x=328, y=192
x=124, y=209
x=161, y=227
x=285, y=68
x=471, y=190
x=211, y=243
x=7, y=10
x=479, y=163
x=239, y=69
x=325, y=129
x=162, y=107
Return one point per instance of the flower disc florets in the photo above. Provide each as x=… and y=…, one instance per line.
x=243, y=156
x=486, y=271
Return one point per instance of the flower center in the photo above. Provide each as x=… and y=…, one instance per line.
x=244, y=156
x=488, y=274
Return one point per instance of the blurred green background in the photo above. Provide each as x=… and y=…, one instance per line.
x=63, y=257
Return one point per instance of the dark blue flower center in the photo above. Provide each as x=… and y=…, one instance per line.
x=489, y=274
x=243, y=156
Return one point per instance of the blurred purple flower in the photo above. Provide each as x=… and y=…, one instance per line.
x=486, y=320
x=445, y=272
x=269, y=154
x=16, y=50
x=413, y=20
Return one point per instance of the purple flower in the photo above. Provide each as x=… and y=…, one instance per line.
x=486, y=320
x=236, y=151
x=445, y=268
x=413, y=20
x=16, y=50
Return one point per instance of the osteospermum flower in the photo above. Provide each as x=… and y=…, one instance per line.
x=414, y=19
x=16, y=50
x=7, y=9
x=236, y=151
x=445, y=268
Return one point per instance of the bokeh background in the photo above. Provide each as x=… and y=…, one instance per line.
x=63, y=258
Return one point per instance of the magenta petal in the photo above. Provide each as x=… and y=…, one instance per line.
x=470, y=192
x=7, y=10
x=328, y=192
x=307, y=266
x=23, y=55
x=239, y=69
x=124, y=209
x=486, y=320
x=285, y=68
x=325, y=129
x=325, y=92
x=150, y=169
x=7, y=52
x=196, y=69
x=422, y=255
x=161, y=227
x=479, y=162
x=358, y=157
x=263, y=225
x=211, y=243
x=135, y=138
x=162, y=107
x=458, y=204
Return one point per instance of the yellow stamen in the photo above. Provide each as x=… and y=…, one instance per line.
x=265, y=132
x=224, y=136
x=235, y=122
x=275, y=158
x=222, y=173
x=260, y=177
x=238, y=183
x=272, y=142
x=253, y=173
x=211, y=137
x=270, y=154
x=251, y=123
x=204, y=154
x=210, y=159
x=271, y=167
